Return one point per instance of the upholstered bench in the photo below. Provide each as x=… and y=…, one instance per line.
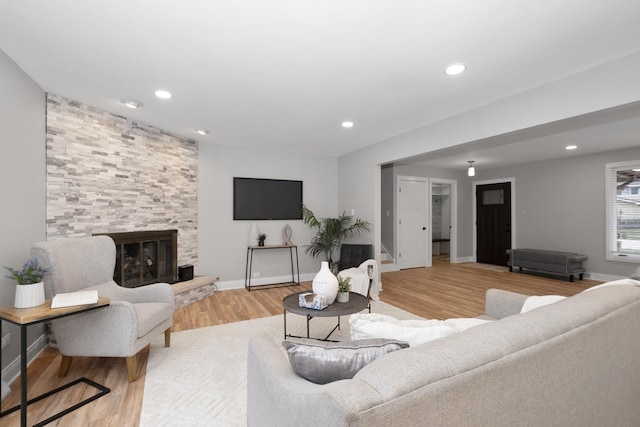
x=565, y=263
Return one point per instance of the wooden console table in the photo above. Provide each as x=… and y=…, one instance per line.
x=24, y=317
x=249, y=266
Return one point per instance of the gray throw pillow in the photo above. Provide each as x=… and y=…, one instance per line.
x=636, y=274
x=322, y=362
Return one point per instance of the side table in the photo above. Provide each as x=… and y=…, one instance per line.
x=290, y=303
x=24, y=317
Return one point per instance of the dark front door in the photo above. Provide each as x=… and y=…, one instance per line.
x=493, y=223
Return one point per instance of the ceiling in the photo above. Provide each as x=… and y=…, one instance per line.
x=284, y=74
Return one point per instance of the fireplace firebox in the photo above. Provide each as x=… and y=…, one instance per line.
x=145, y=257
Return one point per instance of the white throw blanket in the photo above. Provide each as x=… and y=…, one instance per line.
x=415, y=332
x=360, y=279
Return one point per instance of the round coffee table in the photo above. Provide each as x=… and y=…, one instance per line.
x=357, y=302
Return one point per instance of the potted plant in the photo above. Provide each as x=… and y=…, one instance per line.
x=344, y=286
x=261, y=238
x=30, y=289
x=330, y=232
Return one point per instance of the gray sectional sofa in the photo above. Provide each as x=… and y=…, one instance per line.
x=572, y=363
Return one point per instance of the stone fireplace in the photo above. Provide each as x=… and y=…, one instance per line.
x=107, y=174
x=145, y=257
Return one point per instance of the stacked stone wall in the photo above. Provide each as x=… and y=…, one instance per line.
x=106, y=173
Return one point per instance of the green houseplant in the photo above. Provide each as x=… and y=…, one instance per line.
x=344, y=286
x=330, y=232
x=30, y=289
x=261, y=238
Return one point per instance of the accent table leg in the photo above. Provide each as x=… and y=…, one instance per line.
x=23, y=375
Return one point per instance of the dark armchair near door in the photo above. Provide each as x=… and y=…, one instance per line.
x=352, y=255
x=134, y=317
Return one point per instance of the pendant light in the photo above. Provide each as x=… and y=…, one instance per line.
x=471, y=171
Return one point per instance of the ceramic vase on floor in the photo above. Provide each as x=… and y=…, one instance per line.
x=325, y=283
x=29, y=295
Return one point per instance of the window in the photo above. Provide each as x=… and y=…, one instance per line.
x=623, y=211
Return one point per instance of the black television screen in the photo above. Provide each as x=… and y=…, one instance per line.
x=256, y=198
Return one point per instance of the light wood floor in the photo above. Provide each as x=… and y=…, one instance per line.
x=441, y=292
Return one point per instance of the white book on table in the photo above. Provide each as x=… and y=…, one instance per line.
x=74, y=298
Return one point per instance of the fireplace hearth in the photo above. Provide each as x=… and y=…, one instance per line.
x=145, y=257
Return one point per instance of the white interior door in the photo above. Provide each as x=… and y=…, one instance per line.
x=413, y=222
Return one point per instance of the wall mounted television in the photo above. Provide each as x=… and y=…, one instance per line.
x=260, y=199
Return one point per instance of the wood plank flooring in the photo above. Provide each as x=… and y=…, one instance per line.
x=440, y=292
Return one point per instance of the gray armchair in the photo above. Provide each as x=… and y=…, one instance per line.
x=134, y=317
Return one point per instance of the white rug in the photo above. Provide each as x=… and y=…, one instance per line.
x=201, y=380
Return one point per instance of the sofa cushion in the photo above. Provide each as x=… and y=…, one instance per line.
x=415, y=332
x=323, y=362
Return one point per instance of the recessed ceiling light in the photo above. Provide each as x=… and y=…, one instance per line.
x=202, y=131
x=570, y=147
x=132, y=103
x=347, y=124
x=163, y=94
x=454, y=69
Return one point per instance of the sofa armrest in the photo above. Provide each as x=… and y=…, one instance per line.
x=499, y=303
x=576, y=258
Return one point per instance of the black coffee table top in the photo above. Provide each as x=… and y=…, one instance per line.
x=357, y=302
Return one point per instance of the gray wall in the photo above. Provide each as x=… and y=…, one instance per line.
x=22, y=177
x=222, y=242
x=387, y=208
x=606, y=86
x=560, y=205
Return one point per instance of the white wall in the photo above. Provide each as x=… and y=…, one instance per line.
x=607, y=86
x=22, y=177
x=222, y=242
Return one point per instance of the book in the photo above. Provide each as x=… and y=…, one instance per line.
x=74, y=298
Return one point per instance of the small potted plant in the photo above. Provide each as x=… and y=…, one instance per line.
x=30, y=289
x=344, y=285
x=261, y=238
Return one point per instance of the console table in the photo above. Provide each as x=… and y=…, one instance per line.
x=249, y=266
x=24, y=317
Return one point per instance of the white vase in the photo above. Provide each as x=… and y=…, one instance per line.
x=343, y=296
x=325, y=283
x=29, y=295
x=253, y=234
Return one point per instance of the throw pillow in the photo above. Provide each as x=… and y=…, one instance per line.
x=323, y=362
x=539, y=301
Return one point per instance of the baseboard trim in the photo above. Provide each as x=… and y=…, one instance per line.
x=12, y=371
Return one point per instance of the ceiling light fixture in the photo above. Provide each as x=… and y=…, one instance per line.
x=131, y=103
x=570, y=147
x=164, y=94
x=454, y=69
x=202, y=131
x=347, y=124
x=471, y=171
